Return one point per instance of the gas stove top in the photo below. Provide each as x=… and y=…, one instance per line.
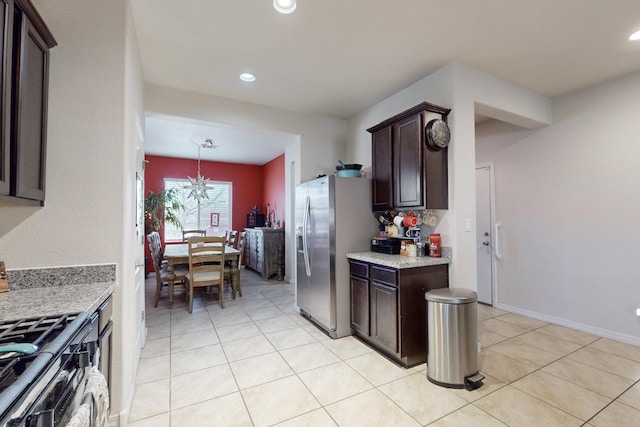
x=32, y=352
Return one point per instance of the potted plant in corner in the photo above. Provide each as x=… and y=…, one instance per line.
x=160, y=207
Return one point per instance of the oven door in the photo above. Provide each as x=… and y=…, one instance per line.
x=66, y=380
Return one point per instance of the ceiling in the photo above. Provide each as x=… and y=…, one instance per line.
x=337, y=58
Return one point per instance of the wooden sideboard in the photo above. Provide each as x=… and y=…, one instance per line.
x=264, y=252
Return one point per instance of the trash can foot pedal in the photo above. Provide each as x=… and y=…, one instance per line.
x=473, y=382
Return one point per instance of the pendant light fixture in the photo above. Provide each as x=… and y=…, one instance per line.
x=284, y=6
x=199, y=185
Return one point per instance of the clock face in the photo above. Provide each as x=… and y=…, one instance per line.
x=438, y=134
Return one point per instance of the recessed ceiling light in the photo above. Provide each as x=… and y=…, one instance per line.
x=635, y=36
x=284, y=6
x=247, y=77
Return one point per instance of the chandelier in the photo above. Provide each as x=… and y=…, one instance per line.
x=199, y=185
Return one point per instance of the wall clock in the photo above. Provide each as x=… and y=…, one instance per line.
x=437, y=134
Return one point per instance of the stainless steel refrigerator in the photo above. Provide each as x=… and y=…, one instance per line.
x=333, y=218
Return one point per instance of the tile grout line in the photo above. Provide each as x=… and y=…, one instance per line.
x=582, y=346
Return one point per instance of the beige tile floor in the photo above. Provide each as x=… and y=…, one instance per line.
x=258, y=363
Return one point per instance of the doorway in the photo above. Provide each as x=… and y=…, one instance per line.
x=484, y=233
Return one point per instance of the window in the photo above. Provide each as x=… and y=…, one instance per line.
x=198, y=216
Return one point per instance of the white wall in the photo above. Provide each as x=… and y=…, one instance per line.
x=569, y=198
x=133, y=289
x=322, y=139
x=94, y=91
x=462, y=89
x=317, y=142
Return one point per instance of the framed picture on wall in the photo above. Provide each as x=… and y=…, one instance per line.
x=215, y=219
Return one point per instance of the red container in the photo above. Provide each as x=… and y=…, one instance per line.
x=435, y=245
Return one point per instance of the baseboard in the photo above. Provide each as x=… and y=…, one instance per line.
x=114, y=420
x=629, y=339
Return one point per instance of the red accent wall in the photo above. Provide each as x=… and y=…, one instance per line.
x=274, y=187
x=247, y=183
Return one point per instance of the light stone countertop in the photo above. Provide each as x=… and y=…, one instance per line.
x=397, y=261
x=56, y=290
x=33, y=302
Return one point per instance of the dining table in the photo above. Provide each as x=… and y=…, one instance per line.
x=179, y=254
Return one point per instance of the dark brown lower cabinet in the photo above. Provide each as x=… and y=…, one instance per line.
x=359, y=304
x=384, y=317
x=388, y=309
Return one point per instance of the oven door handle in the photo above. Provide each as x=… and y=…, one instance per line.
x=24, y=348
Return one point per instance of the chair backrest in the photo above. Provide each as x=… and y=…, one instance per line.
x=232, y=238
x=242, y=239
x=155, y=246
x=206, y=261
x=192, y=233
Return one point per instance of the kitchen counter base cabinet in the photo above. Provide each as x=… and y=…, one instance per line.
x=388, y=310
x=359, y=304
x=264, y=252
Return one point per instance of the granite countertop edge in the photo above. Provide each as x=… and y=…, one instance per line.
x=397, y=261
x=52, y=300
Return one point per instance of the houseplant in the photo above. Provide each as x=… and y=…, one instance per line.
x=160, y=207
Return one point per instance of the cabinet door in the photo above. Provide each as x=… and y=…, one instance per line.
x=360, y=304
x=31, y=99
x=384, y=315
x=260, y=257
x=408, y=172
x=6, y=11
x=251, y=255
x=382, y=169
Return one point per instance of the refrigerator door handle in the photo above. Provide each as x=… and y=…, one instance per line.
x=305, y=228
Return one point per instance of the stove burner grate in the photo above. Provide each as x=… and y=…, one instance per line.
x=39, y=331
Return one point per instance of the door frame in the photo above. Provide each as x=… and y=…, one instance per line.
x=492, y=234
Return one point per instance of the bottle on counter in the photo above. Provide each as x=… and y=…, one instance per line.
x=435, y=245
x=267, y=222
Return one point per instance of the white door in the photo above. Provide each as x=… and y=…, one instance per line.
x=484, y=239
x=141, y=336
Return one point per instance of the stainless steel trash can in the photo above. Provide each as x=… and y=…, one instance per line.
x=452, y=325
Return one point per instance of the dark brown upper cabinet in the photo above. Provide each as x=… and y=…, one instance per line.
x=26, y=42
x=406, y=172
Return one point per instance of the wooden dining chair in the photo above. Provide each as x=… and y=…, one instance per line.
x=192, y=233
x=206, y=266
x=232, y=237
x=242, y=238
x=162, y=274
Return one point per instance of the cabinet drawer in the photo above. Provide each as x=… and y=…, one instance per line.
x=359, y=269
x=384, y=275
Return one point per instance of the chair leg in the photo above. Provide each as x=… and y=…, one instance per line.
x=158, y=288
x=239, y=286
x=221, y=294
x=190, y=291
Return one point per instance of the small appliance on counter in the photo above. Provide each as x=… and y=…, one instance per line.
x=385, y=245
x=255, y=220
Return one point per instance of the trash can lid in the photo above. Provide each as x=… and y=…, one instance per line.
x=451, y=296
